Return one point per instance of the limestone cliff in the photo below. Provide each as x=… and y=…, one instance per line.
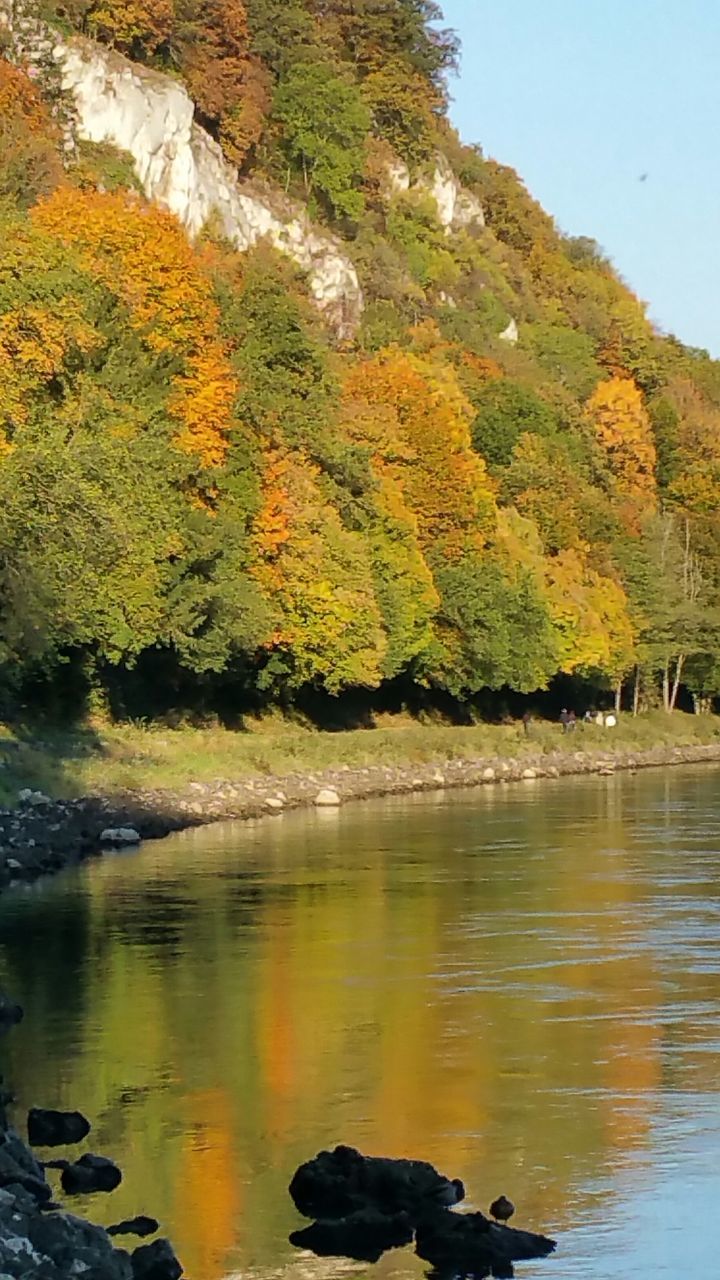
x=149, y=115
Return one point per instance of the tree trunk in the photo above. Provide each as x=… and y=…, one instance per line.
x=636, y=691
x=676, y=680
x=618, y=697
x=666, y=686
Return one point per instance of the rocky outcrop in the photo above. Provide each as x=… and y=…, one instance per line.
x=151, y=117
x=179, y=166
x=38, y=1241
x=89, y=1174
x=30, y=43
x=456, y=206
x=365, y=1205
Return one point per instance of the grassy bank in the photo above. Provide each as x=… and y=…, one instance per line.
x=107, y=758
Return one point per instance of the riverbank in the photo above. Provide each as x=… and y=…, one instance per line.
x=41, y=833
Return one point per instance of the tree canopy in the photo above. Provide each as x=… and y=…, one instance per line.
x=507, y=476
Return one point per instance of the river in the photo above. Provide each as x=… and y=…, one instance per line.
x=519, y=983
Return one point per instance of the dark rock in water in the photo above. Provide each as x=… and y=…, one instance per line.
x=139, y=1226
x=471, y=1243
x=60, y=1163
x=90, y=1173
x=155, y=1261
x=364, y=1236
x=55, y=1128
x=336, y=1184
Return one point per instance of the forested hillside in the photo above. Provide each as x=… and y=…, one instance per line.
x=505, y=474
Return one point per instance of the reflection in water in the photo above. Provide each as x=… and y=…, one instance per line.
x=521, y=985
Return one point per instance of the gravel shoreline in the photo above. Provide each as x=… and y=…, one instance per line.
x=41, y=836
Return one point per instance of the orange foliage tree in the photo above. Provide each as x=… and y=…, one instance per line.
x=229, y=85
x=29, y=159
x=143, y=256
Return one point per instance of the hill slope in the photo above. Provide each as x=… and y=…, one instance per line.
x=376, y=420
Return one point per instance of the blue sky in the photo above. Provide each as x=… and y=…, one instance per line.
x=583, y=97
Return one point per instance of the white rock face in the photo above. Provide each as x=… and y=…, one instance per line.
x=150, y=116
x=456, y=207
x=510, y=334
x=398, y=177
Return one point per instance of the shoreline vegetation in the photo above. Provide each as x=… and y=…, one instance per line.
x=62, y=792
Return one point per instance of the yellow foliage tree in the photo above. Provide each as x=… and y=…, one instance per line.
x=622, y=427
x=316, y=577
x=135, y=26
x=443, y=480
x=591, y=618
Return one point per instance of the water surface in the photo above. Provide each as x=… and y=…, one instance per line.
x=521, y=984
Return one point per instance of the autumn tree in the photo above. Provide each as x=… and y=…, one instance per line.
x=169, y=298
x=622, y=427
x=137, y=27
x=228, y=83
x=317, y=580
x=30, y=166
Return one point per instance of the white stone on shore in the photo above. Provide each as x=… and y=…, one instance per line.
x=120, y=835
x=327, y=798
x=488, y=775
x=27, y=796
x=529, y=773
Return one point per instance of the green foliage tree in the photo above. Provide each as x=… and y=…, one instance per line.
x=324, y=122
x=505, y=411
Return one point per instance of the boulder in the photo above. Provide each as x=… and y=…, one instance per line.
x=55, y=1128
x=470, y=1243
x=76, y=1248
x=33, y=798
x=364, y=1236
x=336, y=1184
x=120, y=836
x=90, y=1173
x=328, y=797
x=155, y=1261
x=19, y=1167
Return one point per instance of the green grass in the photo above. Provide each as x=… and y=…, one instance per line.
x=109, y=758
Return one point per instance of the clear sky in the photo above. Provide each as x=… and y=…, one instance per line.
x=583, y=97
